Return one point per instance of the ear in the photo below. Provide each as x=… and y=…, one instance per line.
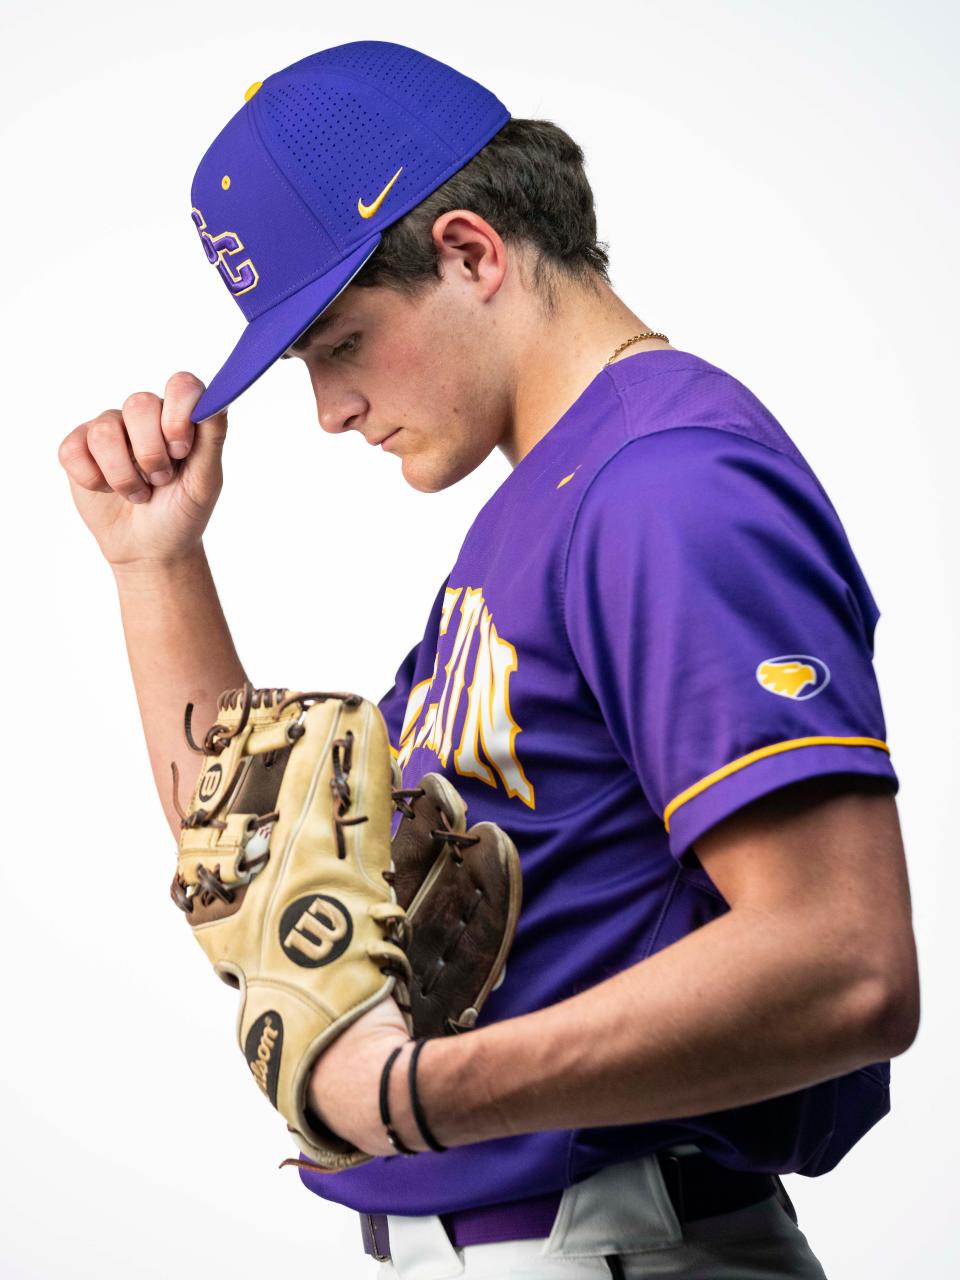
x=470, y=250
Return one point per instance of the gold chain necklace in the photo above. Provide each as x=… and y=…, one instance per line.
x=637, y=337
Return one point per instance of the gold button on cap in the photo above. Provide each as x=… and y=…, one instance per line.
x=252, y=90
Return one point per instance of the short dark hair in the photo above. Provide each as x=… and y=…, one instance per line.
x=529, y=183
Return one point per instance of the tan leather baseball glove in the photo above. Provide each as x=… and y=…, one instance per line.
x=287, y=877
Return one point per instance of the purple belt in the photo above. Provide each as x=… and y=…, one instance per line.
x=515, y=1220
x=698, y=1187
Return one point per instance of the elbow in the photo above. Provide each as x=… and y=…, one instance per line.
x=892, y=1017
x=902, y=1018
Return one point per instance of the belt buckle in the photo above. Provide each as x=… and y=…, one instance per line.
x=371, y=1244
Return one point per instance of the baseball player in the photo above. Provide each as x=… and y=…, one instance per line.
x=650, y=664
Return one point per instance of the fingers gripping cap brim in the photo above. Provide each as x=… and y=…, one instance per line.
x=266, y=338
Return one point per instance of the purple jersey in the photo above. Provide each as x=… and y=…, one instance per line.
x=656, y=619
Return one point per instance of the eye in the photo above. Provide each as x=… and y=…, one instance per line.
x=346, y=346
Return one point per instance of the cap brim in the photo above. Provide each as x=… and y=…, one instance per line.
x=266, y=338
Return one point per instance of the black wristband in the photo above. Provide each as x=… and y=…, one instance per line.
x=418, y=1114
x=395, y=1139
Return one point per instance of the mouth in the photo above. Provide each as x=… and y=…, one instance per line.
x=386, y=441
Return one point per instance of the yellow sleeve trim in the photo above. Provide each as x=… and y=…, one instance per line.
x=752, y=756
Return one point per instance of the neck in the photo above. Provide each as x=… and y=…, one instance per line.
x=559, y=354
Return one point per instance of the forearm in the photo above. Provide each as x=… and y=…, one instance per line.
x=746, y=1008
x=180, y=650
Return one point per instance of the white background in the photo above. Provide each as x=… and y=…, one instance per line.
x=778, y=184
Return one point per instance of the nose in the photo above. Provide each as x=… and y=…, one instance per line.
x=339, y=411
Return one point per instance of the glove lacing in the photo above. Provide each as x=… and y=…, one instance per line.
x=389, y=914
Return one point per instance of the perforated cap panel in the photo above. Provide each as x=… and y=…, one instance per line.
x=342, y=122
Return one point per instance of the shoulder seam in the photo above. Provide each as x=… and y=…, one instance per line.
x=630, y=440
x=619, y=386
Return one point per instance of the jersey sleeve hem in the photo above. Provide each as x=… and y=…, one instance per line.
x=719, y=794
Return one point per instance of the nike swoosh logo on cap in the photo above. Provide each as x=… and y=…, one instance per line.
x=368, y=210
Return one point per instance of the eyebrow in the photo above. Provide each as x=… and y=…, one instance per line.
x=323, y=322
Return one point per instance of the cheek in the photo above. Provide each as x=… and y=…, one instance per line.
x=431, y=382
x=409, y=348
x=396, y=362
x=406, y=386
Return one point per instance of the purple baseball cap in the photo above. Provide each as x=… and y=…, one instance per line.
x=292, y=196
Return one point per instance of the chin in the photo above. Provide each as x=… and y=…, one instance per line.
x=421, y=479
x=426, y=478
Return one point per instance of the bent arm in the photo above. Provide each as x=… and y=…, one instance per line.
x=811, y=974
x=180, y=650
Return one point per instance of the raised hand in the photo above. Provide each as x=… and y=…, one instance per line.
x=144, y=478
